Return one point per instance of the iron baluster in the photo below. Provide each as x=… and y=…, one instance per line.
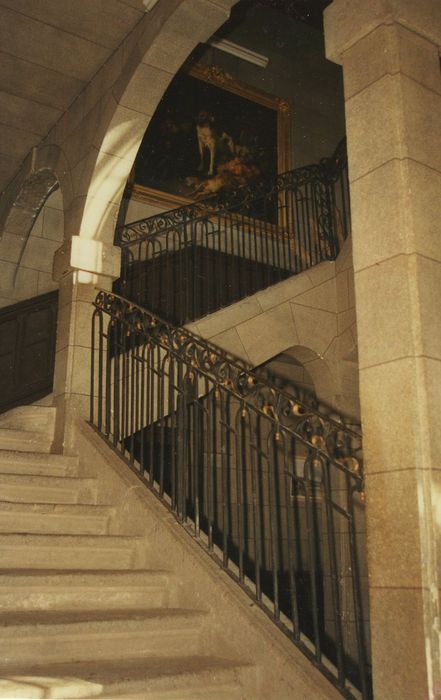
x=352, y=488
x=220, y=445
x=240, y=477
x=304, y=216
x=225, y=470
x=292, y=533
x=332, y=547
x=311, y=528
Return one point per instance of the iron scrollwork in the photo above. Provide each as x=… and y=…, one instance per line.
x=270, y=486
x=325, y=436
x=320, y=176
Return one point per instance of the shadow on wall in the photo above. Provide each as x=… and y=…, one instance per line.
x=288, y=374
x=302, y=373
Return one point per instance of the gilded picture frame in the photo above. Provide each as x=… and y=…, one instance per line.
x=253, y=124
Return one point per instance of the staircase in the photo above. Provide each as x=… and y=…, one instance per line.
x=82, y=614
x=271, y=488
x=103, y=594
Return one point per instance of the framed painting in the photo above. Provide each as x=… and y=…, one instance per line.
x=211, y=134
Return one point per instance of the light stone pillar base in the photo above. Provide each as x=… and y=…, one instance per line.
x=390, y=58
x=81, y=266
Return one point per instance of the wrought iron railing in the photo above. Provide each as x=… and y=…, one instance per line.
x=196, y=259
x=272, y=489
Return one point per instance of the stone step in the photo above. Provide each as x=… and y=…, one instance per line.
x=179, y=678
x=47, y=489
x=48, y=518
x=30, y=684
x=169, y=678
x=82, y=590
x=35, y=418
x=37, y=464
x=20, y=551
x=213, y=691
x=79, y=636
x=24, y=440
x=47, y=400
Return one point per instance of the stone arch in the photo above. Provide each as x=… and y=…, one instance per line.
x=43, y=172
x=160, y=45
x=44, y=169
x=287, y=373
x=319, y=370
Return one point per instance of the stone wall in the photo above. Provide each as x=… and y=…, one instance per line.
x=390, y=57
x=26, y=263
x=310, y=315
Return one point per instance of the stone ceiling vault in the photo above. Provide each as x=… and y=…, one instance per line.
x=49, y=51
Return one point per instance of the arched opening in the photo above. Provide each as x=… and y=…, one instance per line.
x=291, y=375
x=32, y=232
x=303, y=373
x=32, y=224
x=159, y=46
x=266, y=56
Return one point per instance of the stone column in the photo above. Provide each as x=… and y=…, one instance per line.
x=389, y=51
x=81, y=266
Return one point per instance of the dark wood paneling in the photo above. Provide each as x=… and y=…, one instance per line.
x=27, y=350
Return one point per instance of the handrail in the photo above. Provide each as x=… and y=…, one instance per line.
x=243, y=381
x=328, y=170
x=195, y=259
x=271, y=488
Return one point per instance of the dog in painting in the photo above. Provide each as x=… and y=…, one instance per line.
x=209, y=139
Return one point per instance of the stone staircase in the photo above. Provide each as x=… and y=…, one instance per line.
x=81, y=613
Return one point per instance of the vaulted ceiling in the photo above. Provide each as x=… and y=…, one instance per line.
x=49, y=51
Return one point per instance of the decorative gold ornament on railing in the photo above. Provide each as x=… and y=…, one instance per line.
x=325, y=437
x=297, y=409
x=318, y=441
